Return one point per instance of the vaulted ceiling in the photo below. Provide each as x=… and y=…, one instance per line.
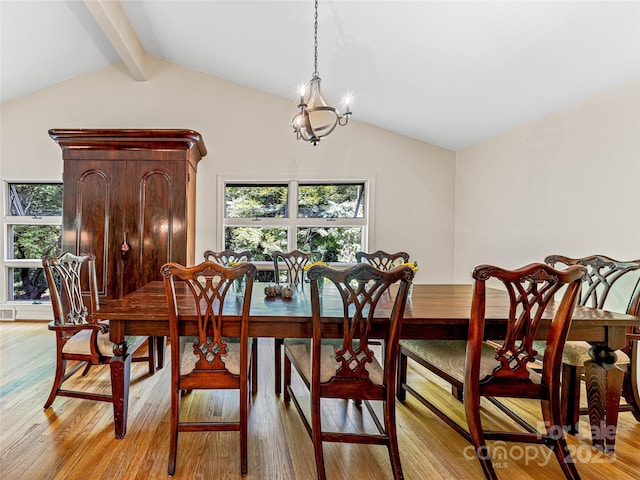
x=450, y=73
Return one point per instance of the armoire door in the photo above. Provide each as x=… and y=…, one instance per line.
x=155, y=226
x=93, y=217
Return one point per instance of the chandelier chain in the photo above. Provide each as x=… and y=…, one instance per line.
x=315, y=42
x=316, y=118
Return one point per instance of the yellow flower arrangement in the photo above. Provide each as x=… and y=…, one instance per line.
x=311, y=264
x=413, y=265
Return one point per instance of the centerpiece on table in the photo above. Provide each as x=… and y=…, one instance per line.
x=238, y=284
x=414, y=267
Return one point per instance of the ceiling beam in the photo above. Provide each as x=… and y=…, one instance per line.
x=115, y=24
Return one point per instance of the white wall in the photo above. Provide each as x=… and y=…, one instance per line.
x=248, y=134
x=568, y=183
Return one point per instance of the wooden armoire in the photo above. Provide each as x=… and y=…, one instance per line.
x=129, y=197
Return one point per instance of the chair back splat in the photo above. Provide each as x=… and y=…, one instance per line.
x=382, y=260
x=65, y=274
x=602, y=275
x=226, y=257
x=203, y=358
x=347, y=367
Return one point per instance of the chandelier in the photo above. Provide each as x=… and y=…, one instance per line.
x=315, y=118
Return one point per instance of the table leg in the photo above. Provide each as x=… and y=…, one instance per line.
x=161, y=348
x=631, y=383
x=604, y=387
x=120, y=367
x=278, y=344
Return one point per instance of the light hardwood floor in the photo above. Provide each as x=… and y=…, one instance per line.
x=74, y=438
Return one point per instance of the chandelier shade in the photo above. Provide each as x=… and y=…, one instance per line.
x=315, y=118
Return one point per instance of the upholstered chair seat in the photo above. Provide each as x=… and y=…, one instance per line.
x=449, y=356
x=80, y=343
x=577, y=352
x=231, y=360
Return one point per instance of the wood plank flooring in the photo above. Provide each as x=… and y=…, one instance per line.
x=74, y=438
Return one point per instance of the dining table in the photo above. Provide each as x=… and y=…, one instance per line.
x=432, y=312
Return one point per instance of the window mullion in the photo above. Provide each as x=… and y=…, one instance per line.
x=255, y=222
x=10, y=220
x=293, y=214
x=331, y=222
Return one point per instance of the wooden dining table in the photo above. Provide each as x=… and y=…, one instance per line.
x=432, y=312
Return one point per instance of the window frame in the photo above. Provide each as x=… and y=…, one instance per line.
x=22, y=309
x=292, y=222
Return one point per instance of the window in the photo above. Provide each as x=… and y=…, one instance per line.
x=33, y=228
x=328, y=220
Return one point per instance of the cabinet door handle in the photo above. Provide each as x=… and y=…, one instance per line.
x=125, y=246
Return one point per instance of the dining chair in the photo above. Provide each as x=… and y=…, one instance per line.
x=294, y=263
x=631, y=383
x=208, y=360
x=501, y=368
x=349, y=369
x=605, y=278
x=80, y=337
x=383, y=260
x=229, y=257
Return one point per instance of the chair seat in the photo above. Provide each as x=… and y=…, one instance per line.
x=79, y=344
x=449, y=356
x=231, y=359
x=576, y=353
x=301, y=353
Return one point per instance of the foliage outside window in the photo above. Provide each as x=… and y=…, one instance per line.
x=328, y=220
x=331, y=201
x=33, y=227
x=260, y=241
x=254, y=201
x=334, y=244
